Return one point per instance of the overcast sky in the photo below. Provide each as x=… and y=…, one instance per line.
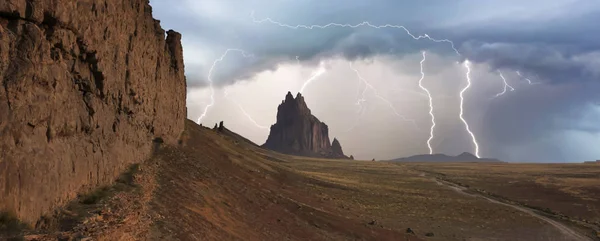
x=553, y=44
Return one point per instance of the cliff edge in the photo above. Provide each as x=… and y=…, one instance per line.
x=86, y=87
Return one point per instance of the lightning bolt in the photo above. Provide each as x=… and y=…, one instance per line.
x=528, y=80
x=244, y=111
x=320, y=71
x=369, y=86
x=415, y=37
x=362, y=97
x=359, y=100
x=210, y=81
x=430, y=105
x=462, y=100
x=506, y=85
x=365, y=23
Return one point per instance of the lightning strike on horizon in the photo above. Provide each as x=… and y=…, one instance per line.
x=462, y=100
x=210, y=81
x=345, y=25
x=368, y=85
x=430, y=105
x=226, y=95
x=368, y=24
x=320, y=71
x=506, y=85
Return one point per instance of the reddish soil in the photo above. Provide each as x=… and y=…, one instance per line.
x=214, y=189
x=216, y=185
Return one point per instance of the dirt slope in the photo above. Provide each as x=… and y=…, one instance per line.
x=216, y=187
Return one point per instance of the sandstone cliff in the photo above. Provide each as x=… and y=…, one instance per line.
x=298, y=132
x=86, y=86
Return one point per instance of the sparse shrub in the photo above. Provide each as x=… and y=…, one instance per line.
x=95, y=196
x=125, y=182
x=11, y=227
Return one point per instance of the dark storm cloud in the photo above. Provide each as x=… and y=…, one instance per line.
x=554, y=42
x=548, y=43
x=551, y=63
x=527, y=117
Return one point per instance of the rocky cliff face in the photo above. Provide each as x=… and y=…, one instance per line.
x=86, y=86
x=298, y=132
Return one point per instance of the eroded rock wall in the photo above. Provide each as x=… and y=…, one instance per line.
x=86, y=86
x=298, y=132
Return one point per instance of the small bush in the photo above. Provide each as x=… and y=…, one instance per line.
x=125, y=182
x=11, y=227
x=95, y=196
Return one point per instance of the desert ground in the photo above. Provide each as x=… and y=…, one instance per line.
x=219, y=186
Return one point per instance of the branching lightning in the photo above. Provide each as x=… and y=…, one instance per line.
x=359, y=100
x=506, y=85
x=369, y=86
x=320, y=71
x=430, y=105
x=462, y=100
x=415, y=37
x=314, y=26
x=210, y=81
x=244, y=111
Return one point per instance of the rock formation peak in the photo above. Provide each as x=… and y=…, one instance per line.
x=298, y=132
x=289, y=96
x=292, y=108
x=336, y=149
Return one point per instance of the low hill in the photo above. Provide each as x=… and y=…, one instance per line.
x=463, y=157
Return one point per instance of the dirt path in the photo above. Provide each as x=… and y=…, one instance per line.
x=568, y=232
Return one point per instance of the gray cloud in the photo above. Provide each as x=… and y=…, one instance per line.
x=549, y=42
x=508, y=38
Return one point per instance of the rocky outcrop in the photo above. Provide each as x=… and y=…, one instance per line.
x=336, y=149
x=86, y=86
x=298, y=132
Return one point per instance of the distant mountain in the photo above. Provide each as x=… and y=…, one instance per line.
x=298, y=132
x=463, y=157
